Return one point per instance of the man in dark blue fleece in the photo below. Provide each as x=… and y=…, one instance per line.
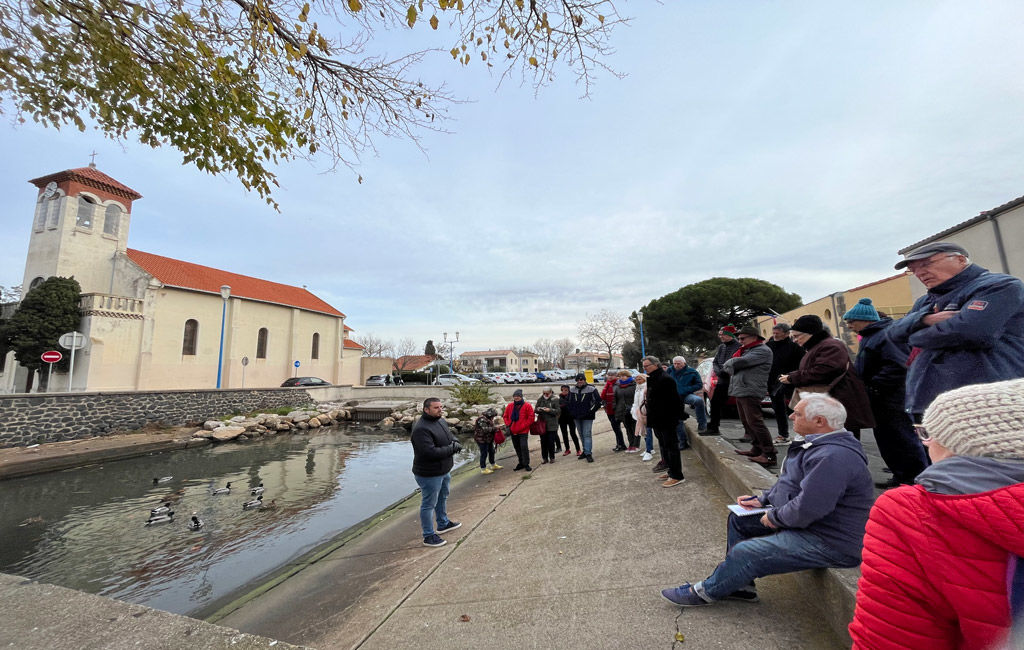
x=816, y=516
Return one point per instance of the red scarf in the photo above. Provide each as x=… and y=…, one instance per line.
x=739, y=353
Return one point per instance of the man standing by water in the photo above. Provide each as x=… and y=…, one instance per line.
x=584, y=401
x=433, y=447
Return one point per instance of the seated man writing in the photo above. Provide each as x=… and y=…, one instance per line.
x=816, y=516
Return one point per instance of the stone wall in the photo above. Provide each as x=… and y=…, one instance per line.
x=51, y=417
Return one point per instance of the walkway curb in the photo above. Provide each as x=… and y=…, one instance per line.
x=836, y=588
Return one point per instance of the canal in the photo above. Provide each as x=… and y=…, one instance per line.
x=85, y=528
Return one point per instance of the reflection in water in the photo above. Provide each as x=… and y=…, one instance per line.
x=85, y=528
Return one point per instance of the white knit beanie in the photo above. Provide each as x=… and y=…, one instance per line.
x=980, y=420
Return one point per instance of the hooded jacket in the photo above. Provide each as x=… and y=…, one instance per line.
x=938, y=558
x=749, y=372
x=983, y=343
x=432, y=447
x=825, y=489
x=584, y=402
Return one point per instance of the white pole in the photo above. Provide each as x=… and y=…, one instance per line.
x=71, y=373
x=243, y=376
x=49, y=376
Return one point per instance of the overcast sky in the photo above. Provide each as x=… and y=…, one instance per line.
x=801, y=143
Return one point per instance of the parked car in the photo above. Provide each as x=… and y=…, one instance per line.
x=485, y=377
x=380, y=380
x=710, y=379
x=530, y=378
x=454, y=379
x=304, y=381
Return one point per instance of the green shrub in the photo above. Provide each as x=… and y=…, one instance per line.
x=470, y=394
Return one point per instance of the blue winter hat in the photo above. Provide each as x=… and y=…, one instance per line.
x=863, y=310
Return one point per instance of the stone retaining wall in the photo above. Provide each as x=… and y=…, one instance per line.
x=51, y=417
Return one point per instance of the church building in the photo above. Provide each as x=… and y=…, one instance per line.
x=152, y=322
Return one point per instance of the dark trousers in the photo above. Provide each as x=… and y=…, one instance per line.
x=668, y=444
x=780, y=404
x=569, y=427
x=617, y=428
x=719, y=402
x=898, y=444
x=522, y=444
x=629, y=424
x=547, y=445
x=486, y=452
x=753, y=425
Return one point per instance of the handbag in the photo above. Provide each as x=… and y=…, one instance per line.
x=499, y=436
x=817, y=388
x=538, y=428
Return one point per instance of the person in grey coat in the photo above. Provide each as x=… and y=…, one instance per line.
x=749, y=384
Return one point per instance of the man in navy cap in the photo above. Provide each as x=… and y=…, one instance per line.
x=968, y=328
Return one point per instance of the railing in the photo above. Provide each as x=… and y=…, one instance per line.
x=101, y=302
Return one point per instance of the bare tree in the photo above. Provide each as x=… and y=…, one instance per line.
x=563, y=348
x=374, y=346
x=606, y=331
x=547, y=350
x=405, y=347
x=10, y=294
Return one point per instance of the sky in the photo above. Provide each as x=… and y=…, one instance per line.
x=802, y=143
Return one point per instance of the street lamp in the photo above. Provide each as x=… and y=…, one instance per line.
x=640, y=319
x=451, y=351
x=225, y=293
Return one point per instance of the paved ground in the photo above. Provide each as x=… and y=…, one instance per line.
x=573, y=555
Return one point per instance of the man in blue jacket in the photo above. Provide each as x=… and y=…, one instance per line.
x=816, y=516
x=433, y=447
x=584, y=401
x=968, y=328
x=688, y=382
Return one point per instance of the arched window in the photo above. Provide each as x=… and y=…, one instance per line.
x=828, y=314
x=112, y=220
x=41, y=214
x=188, y=341
x=86, y=212
x=261, y=344
x=315, y=353
x=53, y=211
x=36, y=282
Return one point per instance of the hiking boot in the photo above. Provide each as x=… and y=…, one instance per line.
x=452, y=525
x=672, y=482
x=433, y=540
x=684, y=596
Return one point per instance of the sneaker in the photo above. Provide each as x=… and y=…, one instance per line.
x=527, y=468
x=619, y=448
x=579, y=453
x=684, y=596
x=672, y=482
x=486, y=471
x=581, y=456
x=517, y=467
x=746, y=595
x=632, y=450
x=452, y=525
x=661, y=466
x=590, y=458
x=779, y=440
x=663, y=477
x=647, y=456
x=433, y=540
x=567, y=452
x=496, y=466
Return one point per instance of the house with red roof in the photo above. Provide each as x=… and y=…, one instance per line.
x=155, y=322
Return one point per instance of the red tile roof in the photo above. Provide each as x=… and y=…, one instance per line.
x=89, y=176
x=185, y=275
x=352, y=345
x=414, y=361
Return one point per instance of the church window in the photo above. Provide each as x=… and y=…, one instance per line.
x=53, y=211
x=315, y=353
x=36, y=282
x=86, y=212
x=188, y=343
x=261, y=344
x=41, y=215
x=112, y=220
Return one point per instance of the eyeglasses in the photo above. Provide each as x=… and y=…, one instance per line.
x=922, y=433
x=917, y=265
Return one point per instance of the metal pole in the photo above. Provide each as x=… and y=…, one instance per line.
x=220, y=354
x=243, y=376
x=71, y=372
x=49, y=376
x=643, y=351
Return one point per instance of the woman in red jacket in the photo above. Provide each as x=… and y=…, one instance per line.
x=518, y=417
x=943, y=560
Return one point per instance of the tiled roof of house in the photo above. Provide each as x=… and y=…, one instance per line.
x=186, y=275
x=987, y=214
x=89, y=176
x=486, y=353
x=414, y=361
x=352, y=345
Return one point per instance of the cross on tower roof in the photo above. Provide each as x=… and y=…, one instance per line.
x=92, y=156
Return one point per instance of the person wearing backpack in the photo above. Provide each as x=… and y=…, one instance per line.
x=483, y=433
x=547, y=412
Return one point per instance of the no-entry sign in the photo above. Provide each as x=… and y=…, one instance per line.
x=51, y=356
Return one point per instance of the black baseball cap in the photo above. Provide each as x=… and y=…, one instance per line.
x=928, y=250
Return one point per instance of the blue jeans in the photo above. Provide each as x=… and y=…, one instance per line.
x=433, y=501
x=756, y=551
x=697, y=402
x=586, y=430
x=684, y=443
x=649, y=440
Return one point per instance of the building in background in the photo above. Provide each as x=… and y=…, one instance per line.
x=154, y=322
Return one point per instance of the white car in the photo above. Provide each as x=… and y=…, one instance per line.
x=495, y=377
x=454, y=379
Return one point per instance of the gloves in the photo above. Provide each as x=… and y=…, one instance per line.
x=456, y=447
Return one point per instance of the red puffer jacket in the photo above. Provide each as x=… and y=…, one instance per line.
x=608, y=395
x=934, y=573
x=522, y=425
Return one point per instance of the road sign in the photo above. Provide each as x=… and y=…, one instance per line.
x=245, y=361
x=72, y=341
x=296, y=364
x=51, y=356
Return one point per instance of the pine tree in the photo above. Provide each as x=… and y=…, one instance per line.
x=430, y=350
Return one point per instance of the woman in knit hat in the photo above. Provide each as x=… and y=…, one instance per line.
x=826, y=368
x=943, y=560
x=882, y=365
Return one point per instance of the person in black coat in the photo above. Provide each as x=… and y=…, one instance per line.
x=433, y=447
x=663, y=413
x=720, y=398
x=786, y=355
